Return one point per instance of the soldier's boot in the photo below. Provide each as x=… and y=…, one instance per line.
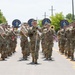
x=28, y=53
x=2, y=56
x=69, y=54
x=35, y=61
x=72, y=56
x=5, y=55
x=62, y=51
x=13, y=51
x=65, y=54
x=9, y=54
x=59, y=49
x=25, y=57
x=46, y=56
x=32, y=59
x=49, y=57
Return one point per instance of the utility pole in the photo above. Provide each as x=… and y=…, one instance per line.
x=44, y=15
x=36, y=18
x=73, y=10
x=52, y=10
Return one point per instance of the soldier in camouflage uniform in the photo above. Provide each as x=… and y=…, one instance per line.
x=24, y=44
x=49, y=42
x=14, y=41
x=62, y=41
x=68, y=43
x=9, y=43
x=34, y=40
x=59, y=39
x=3, y=47
x=43, y=39
x=72, y=43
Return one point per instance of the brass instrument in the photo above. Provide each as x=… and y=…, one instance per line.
x=24, y=30
x=52, y=27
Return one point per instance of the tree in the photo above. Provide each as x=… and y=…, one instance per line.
x=55, y=20
x=40, y=23
x=2, y=18
x=69, y=17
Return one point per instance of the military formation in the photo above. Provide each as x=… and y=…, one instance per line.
x=66, y=41
x=31, y=36
x=8, y=41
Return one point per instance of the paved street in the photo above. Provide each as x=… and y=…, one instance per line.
x=58, y=66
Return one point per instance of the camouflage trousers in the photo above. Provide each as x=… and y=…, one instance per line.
x=72, y=49
x=25, y=52
x=68, y=48
x=62, y=46
x=48, y=51
x=34, y=52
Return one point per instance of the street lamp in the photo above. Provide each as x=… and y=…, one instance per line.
x=73, y=10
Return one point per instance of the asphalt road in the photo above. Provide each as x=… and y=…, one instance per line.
x=58, y=66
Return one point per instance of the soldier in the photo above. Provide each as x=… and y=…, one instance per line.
x=62, y=40
x=9, y=43
x=2, y=43
x=59, y=39
x=49, y=42
x=72, y=43
x=24, y=43
x=14, y=40
x=68, y=43
x=43, y=39
x=34, y=40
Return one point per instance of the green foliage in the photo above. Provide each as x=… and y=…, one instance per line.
x=69, y=17
x=40, y=23
x=55, y=20
x=2, y=18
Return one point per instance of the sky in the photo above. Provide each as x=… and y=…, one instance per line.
x=27, y=9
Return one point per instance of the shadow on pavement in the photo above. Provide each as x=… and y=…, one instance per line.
x=23, y=59
x=49, y=59
x=31, y=63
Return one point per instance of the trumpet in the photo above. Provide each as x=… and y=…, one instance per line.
x=52, y=27
x=24, y=30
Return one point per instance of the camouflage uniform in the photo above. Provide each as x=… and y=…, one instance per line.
x=59, y=40
x=34, y=40
x=9, y=44
x=1, y=39
x=25, y=46
x=14, y=41
x=72, y=43
x=43, y=43
x=68, y=43
x=3, y=47
x=49, y=43
x=62, y=41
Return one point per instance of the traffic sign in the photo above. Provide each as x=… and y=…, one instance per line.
x=64, y=23
x=16, y=23
x=45, y=20
x=30, y=22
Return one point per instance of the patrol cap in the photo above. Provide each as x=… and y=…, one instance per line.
x=30, y=22
x=46, y=21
